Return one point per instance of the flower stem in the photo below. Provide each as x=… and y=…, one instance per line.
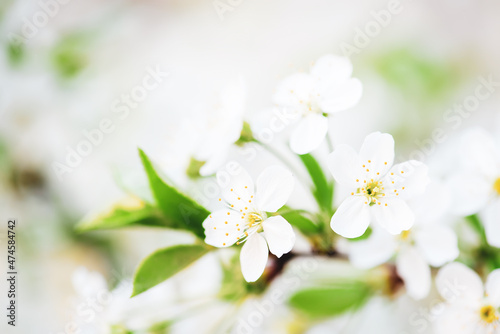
x=284, y=160
x=329, y=142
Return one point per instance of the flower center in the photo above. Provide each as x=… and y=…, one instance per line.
x=496, y=186
x=488, y=314
x=405, y=235
x=372, y=191
x=252, y=224
x=310, y=106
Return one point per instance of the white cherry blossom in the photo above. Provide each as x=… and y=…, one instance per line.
x=476, y=185
x=220, y=128
x=245, y=219
x=379, y=190
x=470, y=307
x=326, y=89
x=427, y=243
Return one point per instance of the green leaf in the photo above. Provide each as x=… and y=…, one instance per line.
x=233, y=287
x=119, y=329
x=305, y=225
x=323, y=190
x=70, y=55
x=124, y=215
x=331, y=301
x=15, y=52
x=163, y=264
x=180, y=210
x=160, y=328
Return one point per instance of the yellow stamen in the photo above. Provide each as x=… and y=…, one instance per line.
x=488, y=314
x=496, y=186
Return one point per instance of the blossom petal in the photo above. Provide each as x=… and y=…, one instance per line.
x=375, y=250
x=237, y=186
x=409, y=179
x=351, y=218
x=253, y=257
x=294, y=90
x=309, y=133
x=492, y=223
x=332, y=69
x=395, y=217
x=345, y=166
x=437, y=243
x=479, y=152
x=279, y=235
x=457, y=281
x=274, y=187
x=377, y=154
x=342, y=97
x=432, y=204
x=457, y=319
x=470, y=193
x=220, y=228
x=492, y=287
x=415, y=272
x=212, y=165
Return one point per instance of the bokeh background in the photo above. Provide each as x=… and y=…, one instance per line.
x=65, y=78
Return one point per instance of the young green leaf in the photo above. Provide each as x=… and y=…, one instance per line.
x=163, y=264
x=323, y=190
x=331, y=301
x=295, y=218
x=124, y=216
x=180, y=210
x=233, y=286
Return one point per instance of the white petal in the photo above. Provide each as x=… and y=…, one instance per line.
x=480, y=153
x=253, y=257
x=332, y=69
x=437, y=243
x=345, y=166
x=274, y=187
x=395, y=217
x=375, y=250
x=294, y=90
x=410, y=179
x=279, y=235
x=432, y=204
x=457, y=319
x=342, y=97
x=377, y=154
x=309, y=133
x=457, y=281
x=213, y=164
x=351, y=218
x=493, y=287
x=237, y=186
x=491, y=221
x=415, y=272
x=470, y=193
x=218, y=224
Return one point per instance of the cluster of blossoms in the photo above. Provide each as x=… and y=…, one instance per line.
x=393, y=212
